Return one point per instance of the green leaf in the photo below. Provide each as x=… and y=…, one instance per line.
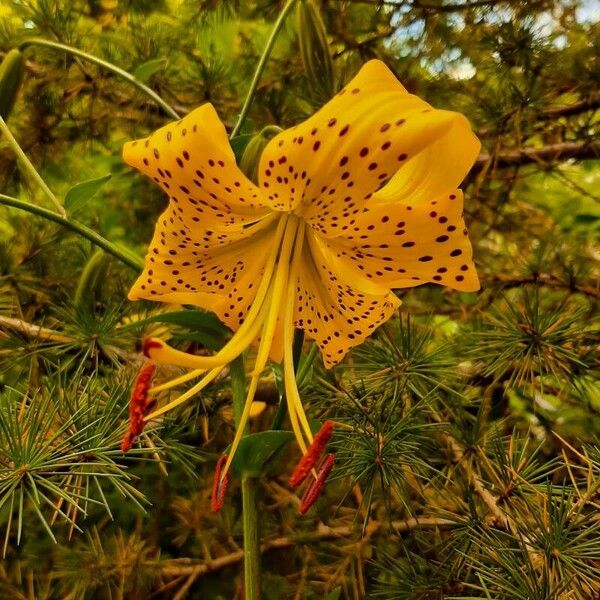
x=238, y=145
x=204, y=326
x=147, y=69
x=80, y=192
x=257, y=450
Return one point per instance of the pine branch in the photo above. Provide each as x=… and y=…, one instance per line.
x=507, y=282
x=592, y=102
x=179, y=568
x=551, y=153
x=458, y=455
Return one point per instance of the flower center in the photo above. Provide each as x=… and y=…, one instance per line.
x=274, y=302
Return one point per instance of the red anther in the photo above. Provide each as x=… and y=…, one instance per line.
x=313, y=453
x=139, y=405
x=150, y=343
x=313, y=491
x=219, y=486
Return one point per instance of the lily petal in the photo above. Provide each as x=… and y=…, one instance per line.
x=399, y=245
x=210, y=245
x=191, y=159
x=328, y=167
x=337, y=311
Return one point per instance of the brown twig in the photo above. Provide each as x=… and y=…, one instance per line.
x=458, y=456
x=580, y=150
x=507, y=282
x=175, y=568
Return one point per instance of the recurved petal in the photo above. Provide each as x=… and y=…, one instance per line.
x=436, y=170
x=398, y=245
x=192, y=161
x=336, y=310
x=328, y=167
x=223, y=280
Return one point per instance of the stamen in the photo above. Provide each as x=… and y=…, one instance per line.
x=291, y=388
x=262, y=356
x=177, y=381
x=316, y=487
x=139, y=405
x=312, y=455
x=208, y=378
x=220, y=486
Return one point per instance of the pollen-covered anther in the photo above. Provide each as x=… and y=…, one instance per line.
x=140, y=405
x=314, y=490
x=313, y=454
x=220, y=485
x=149, y=345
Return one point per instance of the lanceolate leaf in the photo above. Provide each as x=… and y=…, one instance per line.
x=83, y=191
x=257, y=450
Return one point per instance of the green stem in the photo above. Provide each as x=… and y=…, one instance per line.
x=105, y=64
x=306, y=364
x=249, y=497
x=130, y=260
x=251, y=539
x=261, y=66
x=28, y=166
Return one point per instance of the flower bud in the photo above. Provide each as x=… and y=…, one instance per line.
x=11, y=76
x=314, y=49
x=251, y=157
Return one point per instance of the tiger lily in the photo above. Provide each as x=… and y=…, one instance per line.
x=358, y=200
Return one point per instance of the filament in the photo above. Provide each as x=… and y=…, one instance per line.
x=177, y=381
x=208, y=378
x=262, y=356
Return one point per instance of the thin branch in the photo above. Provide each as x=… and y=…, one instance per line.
x=542, y=279
x=458, y=455
x=592, y=102
x=106, y=65
x=545, y=154
x=35, y=331
x=175, y=568
x=126, y=257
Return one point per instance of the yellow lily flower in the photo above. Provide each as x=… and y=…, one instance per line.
x=356, y=201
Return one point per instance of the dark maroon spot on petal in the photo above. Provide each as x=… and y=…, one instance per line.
x=456, y=252
x=425, y=258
